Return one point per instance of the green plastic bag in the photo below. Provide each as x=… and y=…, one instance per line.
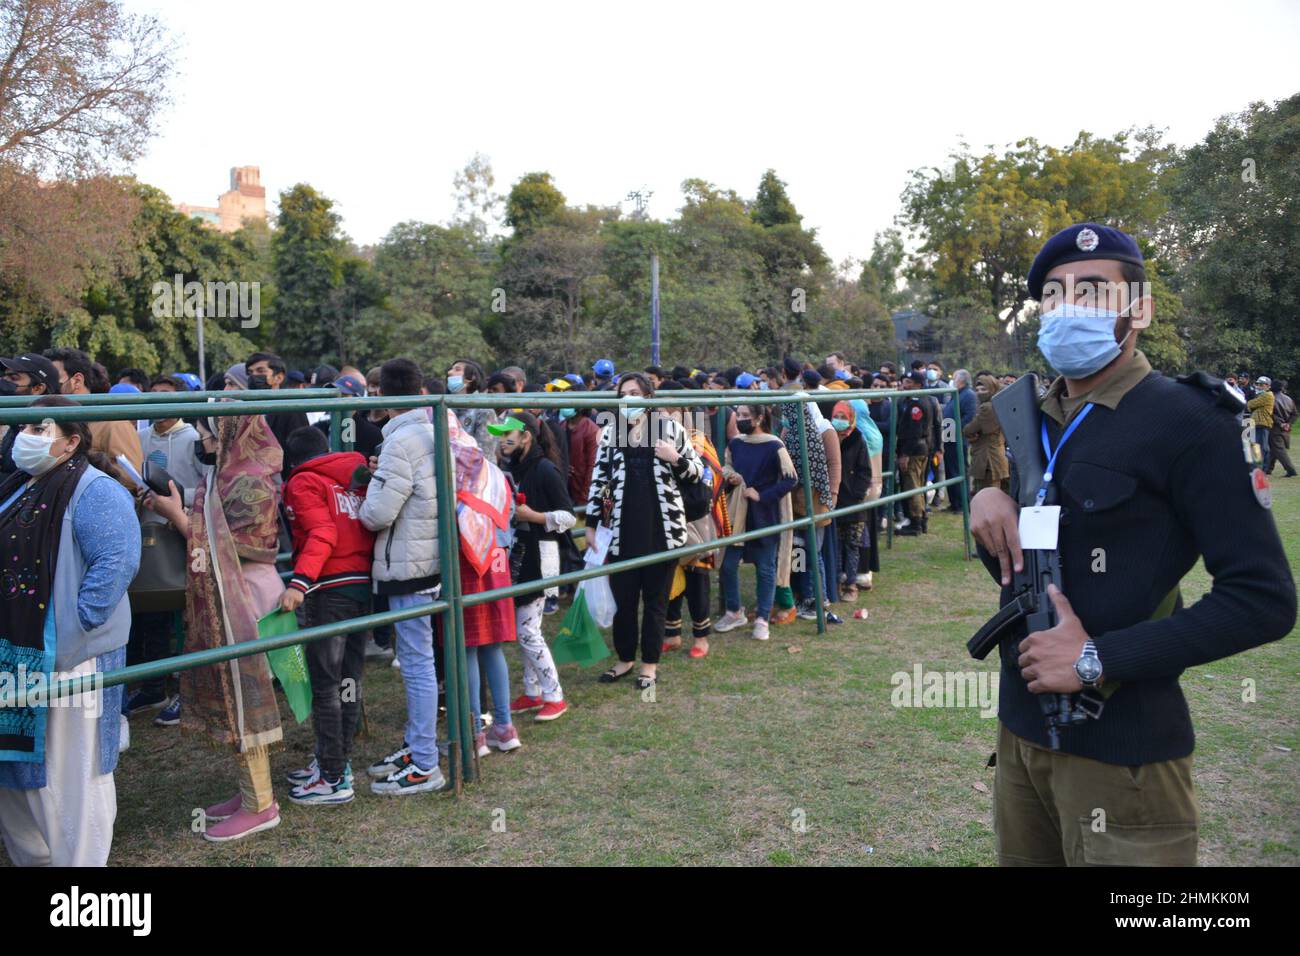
x=579, y=641
x=289, y=664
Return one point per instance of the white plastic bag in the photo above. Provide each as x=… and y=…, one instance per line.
x=600, y=598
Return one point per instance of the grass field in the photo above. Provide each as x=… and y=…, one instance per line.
x=788, y=752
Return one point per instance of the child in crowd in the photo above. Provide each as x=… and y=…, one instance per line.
x=332, y=551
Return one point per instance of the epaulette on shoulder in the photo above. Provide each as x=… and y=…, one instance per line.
x=1223, y=395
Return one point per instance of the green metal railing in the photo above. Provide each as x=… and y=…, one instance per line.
x=451, y=603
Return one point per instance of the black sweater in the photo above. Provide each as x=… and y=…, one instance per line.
x=855, y=473
x=1146, y=490
x=916, y=417
x=544, y=489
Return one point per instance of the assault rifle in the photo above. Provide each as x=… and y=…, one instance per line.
x=1017, y=411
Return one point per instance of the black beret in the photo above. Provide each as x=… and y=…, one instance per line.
x=1085, y=240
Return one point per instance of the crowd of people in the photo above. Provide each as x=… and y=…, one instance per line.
x=362, y=528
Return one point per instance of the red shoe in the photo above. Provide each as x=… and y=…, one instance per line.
x=551, y=709
x=786, y=615
x=523, y=704
x=697, y=652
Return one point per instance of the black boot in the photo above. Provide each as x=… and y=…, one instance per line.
x=925, y=524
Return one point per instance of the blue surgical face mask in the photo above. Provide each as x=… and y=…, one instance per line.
x=1079, y=340
x=455, y=383
x=633, y=412
x=763, y=386
x=840, y=424
x=931, y=375
x=567, y=413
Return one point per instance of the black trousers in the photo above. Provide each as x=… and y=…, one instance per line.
x=648, y=586
x=336, y=665
x=151, y=640
x=696, y=597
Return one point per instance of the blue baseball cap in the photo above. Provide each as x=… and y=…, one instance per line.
x=603, y=368
x=573, y=379
x=121, y=387
x=1084, y=240
x=350, y=386
x=745, y=380
x=191, y=381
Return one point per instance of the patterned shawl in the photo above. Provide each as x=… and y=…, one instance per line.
x=232, y=704
x=483, y=502
x=821, y=476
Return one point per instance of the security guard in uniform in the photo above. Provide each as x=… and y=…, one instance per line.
x=1155, y=475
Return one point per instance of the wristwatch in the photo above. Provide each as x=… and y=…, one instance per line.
x=1088, y=666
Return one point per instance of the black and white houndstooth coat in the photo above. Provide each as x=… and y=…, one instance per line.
x=609, y=471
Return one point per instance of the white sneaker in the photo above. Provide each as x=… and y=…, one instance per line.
x=730, y=621
x=396, y=663
x=760, y=630
x=900, y=525
x=864, y=580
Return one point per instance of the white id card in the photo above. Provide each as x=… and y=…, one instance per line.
x=1039, y=526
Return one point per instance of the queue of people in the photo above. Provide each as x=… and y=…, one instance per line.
x=362, y=528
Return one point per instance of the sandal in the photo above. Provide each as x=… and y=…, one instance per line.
x=672, y=647
x=697, y=652
x=613, y=674
x=645, y=683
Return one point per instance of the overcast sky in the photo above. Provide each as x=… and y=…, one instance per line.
x=377, y=105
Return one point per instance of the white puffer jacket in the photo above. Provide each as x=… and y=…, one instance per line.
x=401, y=504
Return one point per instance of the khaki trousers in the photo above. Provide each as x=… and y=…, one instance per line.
x=1055, y=809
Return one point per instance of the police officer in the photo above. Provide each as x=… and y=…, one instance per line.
x=1155, y=475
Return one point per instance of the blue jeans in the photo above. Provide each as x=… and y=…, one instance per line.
x=1262, y=438
x=415, y=655
x=764, y=568
x=492, y=659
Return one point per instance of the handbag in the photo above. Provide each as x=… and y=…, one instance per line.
x=159, y=584
x=697, y=497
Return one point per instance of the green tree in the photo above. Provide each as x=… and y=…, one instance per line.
x=533, y=202
x=1235, y=231
x=309, y=258
x=438, y=297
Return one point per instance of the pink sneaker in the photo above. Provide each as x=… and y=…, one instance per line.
x=224, y=810
x=480, y=744
x=243, y=824
x=503, y=738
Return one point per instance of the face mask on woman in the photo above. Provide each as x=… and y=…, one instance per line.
x=633, y=412
x=839, y=424
x=567, y=413
x=32, y=453
x=745, y=426
x=455, y=383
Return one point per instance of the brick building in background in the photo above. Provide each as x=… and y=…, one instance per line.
x=244, y=200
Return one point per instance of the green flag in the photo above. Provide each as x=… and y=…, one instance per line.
x=579, y=640
x=289, y=664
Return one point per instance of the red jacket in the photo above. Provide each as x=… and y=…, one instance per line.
x=330, y=545
x=584, y=436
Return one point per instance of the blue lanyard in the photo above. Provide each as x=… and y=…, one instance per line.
x=1051, y=455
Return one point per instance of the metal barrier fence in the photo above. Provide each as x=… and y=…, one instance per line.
x=463, y=759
